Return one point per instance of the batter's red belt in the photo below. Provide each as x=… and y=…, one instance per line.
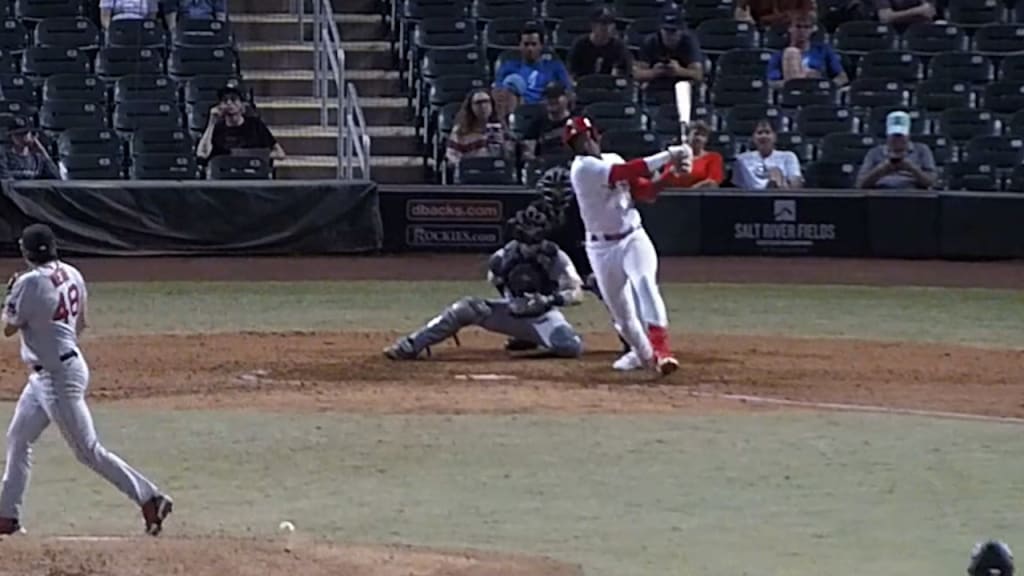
x=63, y=357
x=612, y=237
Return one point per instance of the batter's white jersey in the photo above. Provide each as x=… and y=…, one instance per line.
x=46, y=304
x=605, y=208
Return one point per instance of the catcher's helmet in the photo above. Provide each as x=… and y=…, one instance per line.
x=991, y=558
x=555, y=186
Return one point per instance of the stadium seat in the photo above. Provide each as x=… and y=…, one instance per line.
x=725, y=144
x=741, y=120
x=604, y=88
x=416, y=10
x=160, y=141
x=698, y=11
x=961, y=67
x=942, y=149
x=80, y=87
x=558, y=10
x=1015, y=126
x=485, y=171
x=862, y=36
x=737, y=90
x=929, y=38
x=502, y=34
x=797, y=144
x=91, y=166
x=445, y=33
x=877, y=115
x=8, y=62
x=893, y=65
x=17, y=88
x=1015, y=182
x=488, y=10
x=239, y=168
x=630, y=10
x=817, y=121
x=533, y=170
x=437, y=63
x=831, y=175
x=800, y=92
x=11, y=108
x=131, y=33
x=567, y=31
x=188, y=61
x=846, y=147
x=211, y=33
x=101, y=141
x=999, y=39
x=720, y=36
x=13, y=36
x=445, y=123
x=163, y=167
x=1002, y=152
x=70, y=32
x=872, y=92
x=60, y=115
x=664, y=120
x=962, y=124
x=938, y=94
x=204, y=88
x=34, y=10
x=743, y=62
x=639, y=30
x=114, y=62
x=149, y=87
x=615, y=116
x=42, y=61
x=1012, y=68
x=198, y=115
x=522, y=118
x=138, y=114
x=631, y=144
x=1004, y=97
x=975, y=13
x=971, y=176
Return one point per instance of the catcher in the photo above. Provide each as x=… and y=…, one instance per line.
x=535, y=279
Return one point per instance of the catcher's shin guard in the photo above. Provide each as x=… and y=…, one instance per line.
x=462, y=313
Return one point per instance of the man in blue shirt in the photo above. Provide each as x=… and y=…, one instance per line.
x=537, y=69
x=804, y=58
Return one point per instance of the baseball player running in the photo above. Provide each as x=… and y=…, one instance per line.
x=620, y=251
x=535, y=278
x=47, y=306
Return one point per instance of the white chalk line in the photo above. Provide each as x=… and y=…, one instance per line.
x=843, y=407
x=91, y=538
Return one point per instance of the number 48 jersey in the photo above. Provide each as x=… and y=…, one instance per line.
x=46, y=304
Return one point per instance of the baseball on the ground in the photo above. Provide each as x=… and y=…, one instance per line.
x=286, y=526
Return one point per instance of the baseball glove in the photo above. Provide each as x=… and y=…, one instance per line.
x=530, y=305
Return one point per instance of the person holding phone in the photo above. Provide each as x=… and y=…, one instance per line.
x=229, y=129
x=669, y=55
x=900, y=163
x=25, y=157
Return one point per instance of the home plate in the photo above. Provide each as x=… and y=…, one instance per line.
x=490, y=377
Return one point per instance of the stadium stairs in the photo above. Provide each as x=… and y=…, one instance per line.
x=278, y=67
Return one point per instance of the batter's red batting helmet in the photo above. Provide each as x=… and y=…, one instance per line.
x=578, y=125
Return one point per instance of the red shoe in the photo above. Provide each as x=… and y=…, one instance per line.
x=665, y=363
x=155, y=511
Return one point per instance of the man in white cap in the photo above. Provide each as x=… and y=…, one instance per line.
x=899, y=164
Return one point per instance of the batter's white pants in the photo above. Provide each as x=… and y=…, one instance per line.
x=60, y=398
x=627, y=269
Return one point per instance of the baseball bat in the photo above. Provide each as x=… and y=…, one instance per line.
x=684, y=106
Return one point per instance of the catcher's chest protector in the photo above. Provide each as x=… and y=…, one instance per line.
x=527, y=268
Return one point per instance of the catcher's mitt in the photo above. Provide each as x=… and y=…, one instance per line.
x=529, y=305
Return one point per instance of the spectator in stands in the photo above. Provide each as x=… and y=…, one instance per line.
x=902, y=13
x=601, y=51
x=24, y=156
x=194, y=10
x=668, y=56
x=768, y=13
x=230, y=131
x=899, y=163
x=804, y=58
x=544, y=135
x=765, y=167
x=111, y=10
x=508, y=95
x=478, y=131
x=532, y=65
x=707, y=171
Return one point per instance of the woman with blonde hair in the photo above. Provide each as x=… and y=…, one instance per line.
x=708, y=169
x=478, y=130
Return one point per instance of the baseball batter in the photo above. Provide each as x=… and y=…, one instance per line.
x=535, y=278
x=47, y=306
x=621, y=254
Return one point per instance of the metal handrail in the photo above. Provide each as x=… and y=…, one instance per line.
x=329, y=63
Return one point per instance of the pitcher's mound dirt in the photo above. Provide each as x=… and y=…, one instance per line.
x=27, y=556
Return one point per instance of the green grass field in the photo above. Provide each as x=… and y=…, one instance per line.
x=771, y=493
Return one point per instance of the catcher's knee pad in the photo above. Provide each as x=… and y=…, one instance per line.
x=469, y=311
x=565, y=342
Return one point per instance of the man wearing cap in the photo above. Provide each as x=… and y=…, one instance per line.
x=544, y=135
x=532, y=65
x=899, y=164
x=991, y=558
x=229, y=129
x=24, y=156
x=668, y=56
x=804, y=57
x=600, y=52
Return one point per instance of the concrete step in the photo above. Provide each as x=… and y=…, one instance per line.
x=284, y=27
x=384, y=169
x=271, y=6
x=299, y=83
x=319, y=141
x=305, y=111
x=296, y=56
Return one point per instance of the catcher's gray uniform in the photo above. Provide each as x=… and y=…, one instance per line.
x=534, y=280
